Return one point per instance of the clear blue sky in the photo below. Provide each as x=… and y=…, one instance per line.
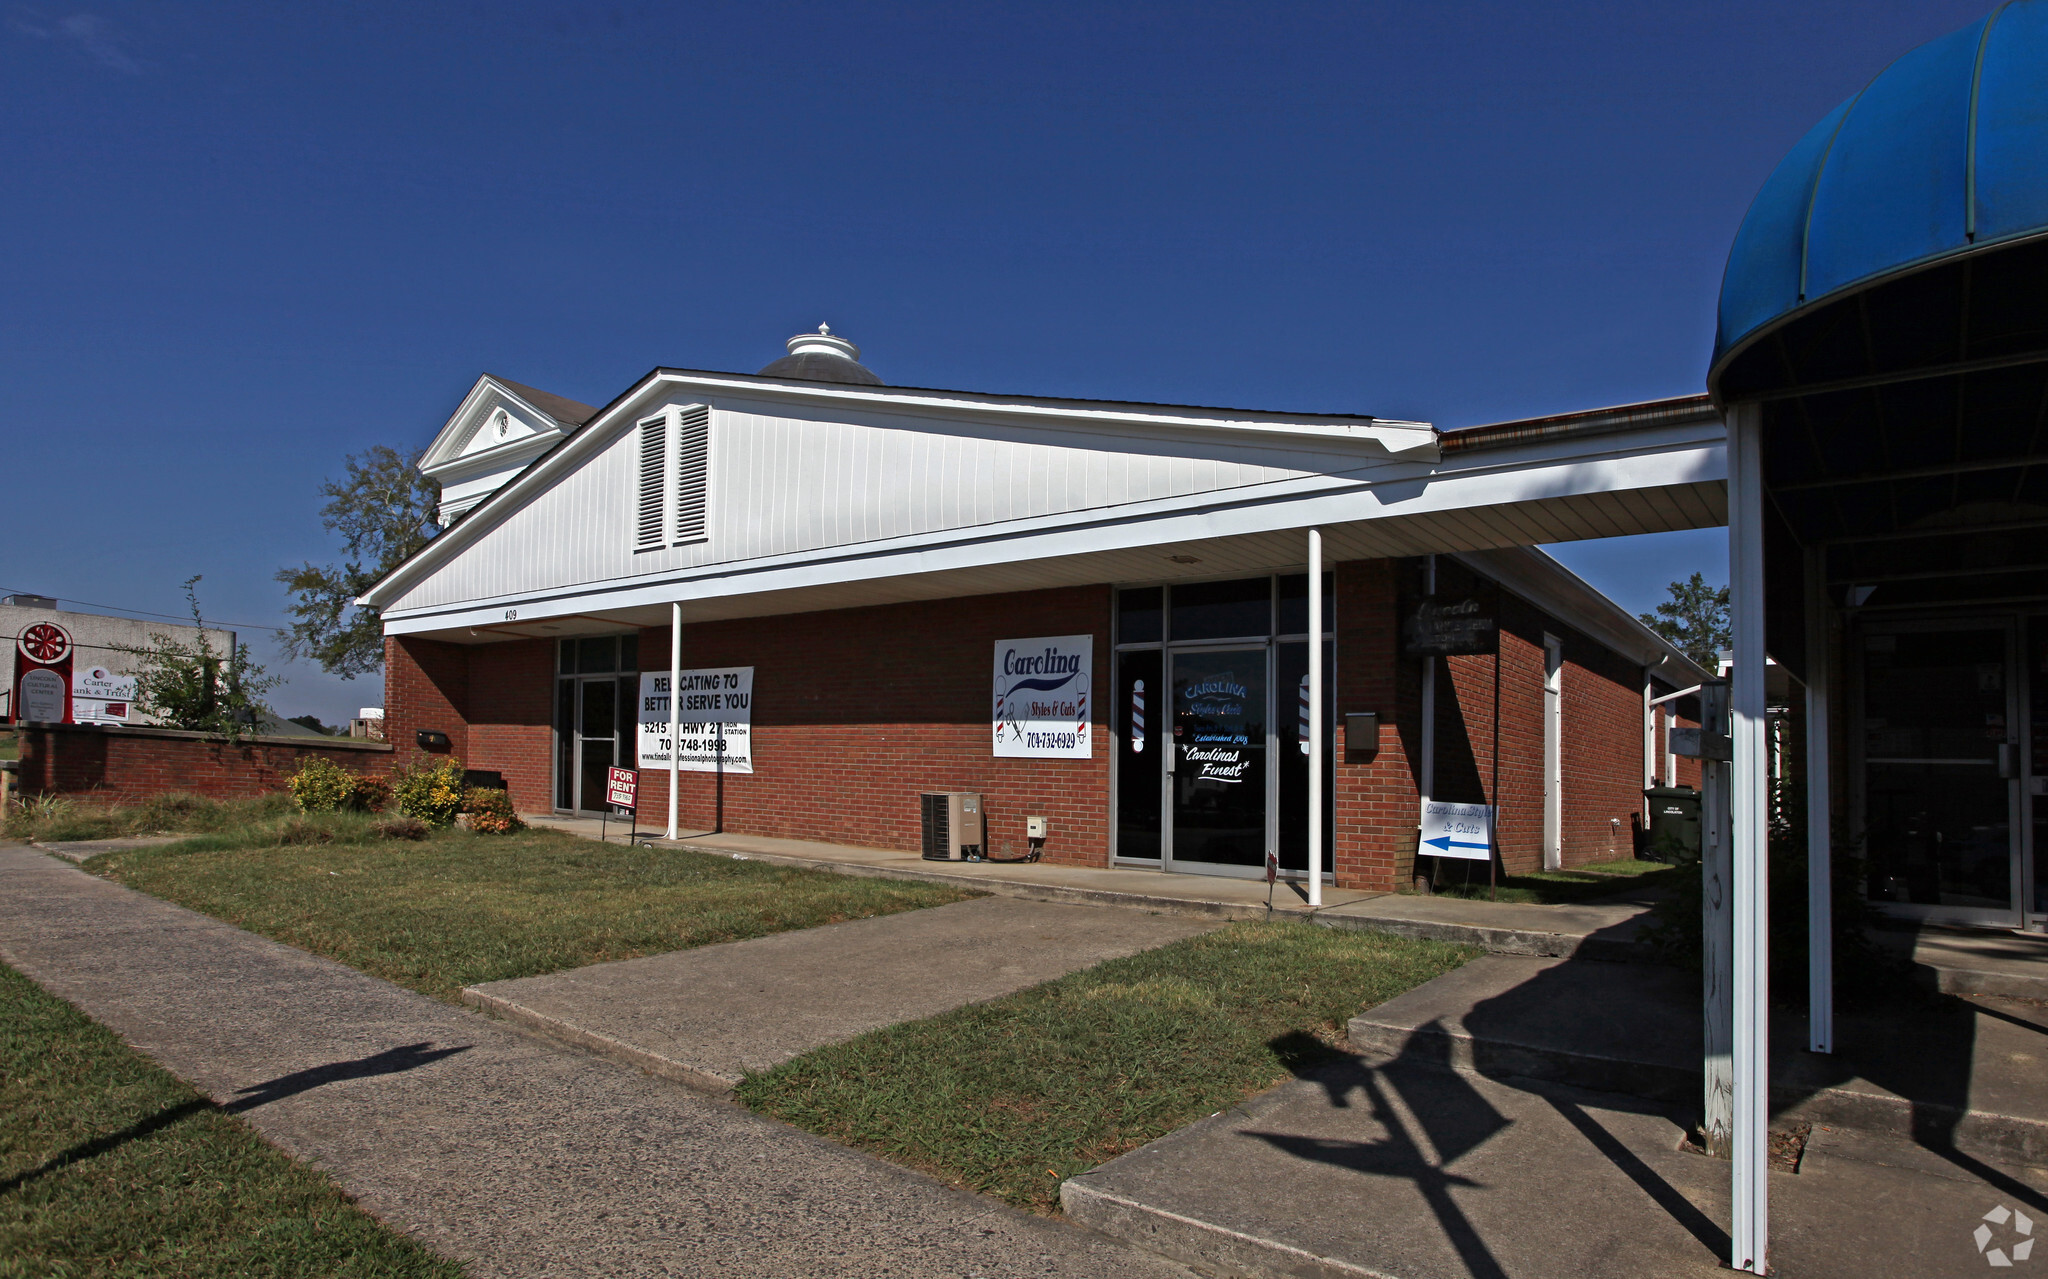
x=243, y=242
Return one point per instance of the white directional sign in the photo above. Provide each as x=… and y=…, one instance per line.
x=1457, y=830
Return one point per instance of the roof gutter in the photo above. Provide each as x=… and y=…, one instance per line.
x=1680, y=411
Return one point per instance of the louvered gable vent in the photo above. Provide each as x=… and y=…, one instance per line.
x=693, y=473
x=650, y=505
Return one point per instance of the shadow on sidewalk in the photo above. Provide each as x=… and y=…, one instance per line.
x=391, y=1061
x=1433, y=1117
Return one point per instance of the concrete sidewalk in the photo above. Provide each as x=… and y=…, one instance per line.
x=1524, y=1116
x=1406, y=1170
x=708, y=1015
x=513, y=1155
x=1604, y=928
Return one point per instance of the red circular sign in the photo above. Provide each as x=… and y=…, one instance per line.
x=44, y=642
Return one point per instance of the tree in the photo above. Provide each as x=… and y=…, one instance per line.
x=193, y=685
x=384, y=511
x=1695, y=620
x=313, y=722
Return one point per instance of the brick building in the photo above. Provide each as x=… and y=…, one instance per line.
x=1092, y=613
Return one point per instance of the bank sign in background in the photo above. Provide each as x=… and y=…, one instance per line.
x=1041, y=697
x=718, y=720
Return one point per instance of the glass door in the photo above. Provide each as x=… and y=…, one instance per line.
x=1941, y=771
x=597, y=740
x=1217, y=790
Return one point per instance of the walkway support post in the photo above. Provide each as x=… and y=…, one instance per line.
x=675, y=713
x=1315, y=718
x=1820, y=835
x=1717, y=967
x=1750, y=1215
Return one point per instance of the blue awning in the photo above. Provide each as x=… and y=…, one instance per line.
x=1944, y=153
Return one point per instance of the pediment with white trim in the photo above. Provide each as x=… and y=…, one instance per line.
x=496, y=433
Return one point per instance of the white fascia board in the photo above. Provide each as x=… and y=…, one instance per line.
x=1413, y=442
x=446, y=450
x=1409, y=440
x=1679, y=456
x=1538, y=577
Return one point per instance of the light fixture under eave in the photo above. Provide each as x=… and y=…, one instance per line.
x=1185, y=559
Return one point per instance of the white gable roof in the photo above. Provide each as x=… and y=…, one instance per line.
x=827, y=495
x=497, y=431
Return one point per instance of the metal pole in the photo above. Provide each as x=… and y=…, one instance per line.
x=1820, y=872
x=1315, y=718
x=1427, y=772
x=1717, y=969
x=1750, y=1218
x=675, y=712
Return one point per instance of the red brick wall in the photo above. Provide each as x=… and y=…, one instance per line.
x=510, y=724
x=1602, y=736
x=426, y=686
x=128, y=765
x=1377, y=803
x=857, y=711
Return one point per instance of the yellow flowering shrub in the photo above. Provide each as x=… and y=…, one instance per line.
x=430, y=791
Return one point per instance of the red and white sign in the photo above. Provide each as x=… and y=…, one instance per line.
x=621, y=786
x=42, y=674
x=98, y=696
x=44, y=643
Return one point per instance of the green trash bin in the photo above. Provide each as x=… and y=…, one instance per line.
x=1674, y=834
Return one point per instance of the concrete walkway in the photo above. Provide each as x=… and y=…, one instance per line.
x=1523, y=1116
x=511, y=1154
x=707, y=1016
x=1406, y=1170
x=1605, y=928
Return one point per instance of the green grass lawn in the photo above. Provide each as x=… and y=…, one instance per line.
x=110, y=1166
x=459, y=908
x=1011, y=1096
x=1550, y=887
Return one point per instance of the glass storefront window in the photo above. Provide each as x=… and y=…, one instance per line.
x=1222, y=610
x=1138, y=615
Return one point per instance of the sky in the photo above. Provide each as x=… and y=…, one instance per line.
x=244, y=242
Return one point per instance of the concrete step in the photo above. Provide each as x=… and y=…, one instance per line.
x=1965, y=1073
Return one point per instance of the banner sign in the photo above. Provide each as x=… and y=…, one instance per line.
x=98, y=696
x=1041, y=697
x=621, y=785
x=1457, y=830
x=1449, y=628
x=717, y=720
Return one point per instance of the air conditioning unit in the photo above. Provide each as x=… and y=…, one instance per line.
x=952, y=825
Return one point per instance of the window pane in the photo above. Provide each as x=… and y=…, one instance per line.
x=568, y=662
x=596, y=656
x=1222, y=610
x=1137, y=615
x=1294, y=605
x=629, y=652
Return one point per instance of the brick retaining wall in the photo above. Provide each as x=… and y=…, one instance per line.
x=127, y=765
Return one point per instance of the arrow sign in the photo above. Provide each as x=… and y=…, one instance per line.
x=1457, y=830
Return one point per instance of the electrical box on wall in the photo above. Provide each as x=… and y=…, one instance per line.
x=1361, y=736
x=1034, y=828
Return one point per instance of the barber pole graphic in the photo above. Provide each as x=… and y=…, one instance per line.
x=1303, y=725
x=1138, y=716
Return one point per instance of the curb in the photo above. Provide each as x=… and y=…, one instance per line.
x=1499, y=941
x=1210, y=1248
x=603, y=1045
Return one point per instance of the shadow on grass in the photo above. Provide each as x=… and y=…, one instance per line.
x=391, y=1061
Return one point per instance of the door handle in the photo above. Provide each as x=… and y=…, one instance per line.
x=2008, y=760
